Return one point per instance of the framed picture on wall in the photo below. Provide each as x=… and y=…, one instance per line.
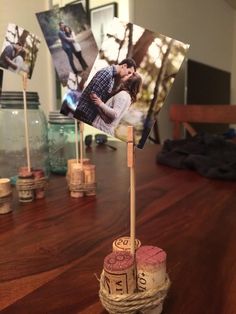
x=60, y=3
x=100, y=19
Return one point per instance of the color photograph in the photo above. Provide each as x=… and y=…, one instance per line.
x=70, y=41
x=129, y=81
x=19, y=51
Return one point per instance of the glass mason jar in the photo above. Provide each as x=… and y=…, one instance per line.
x=12, y=134
x=61, y=138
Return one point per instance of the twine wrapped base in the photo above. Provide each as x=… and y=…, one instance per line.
x=87, y=188
x=27, y=187
x=132, y=303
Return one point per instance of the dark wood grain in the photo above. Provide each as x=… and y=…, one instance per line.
x=51, y=249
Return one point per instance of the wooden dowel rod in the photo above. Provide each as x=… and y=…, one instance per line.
x=132, y=210
x=130, y=162
x=81, y=127
x=26, y=122
x=76, y=142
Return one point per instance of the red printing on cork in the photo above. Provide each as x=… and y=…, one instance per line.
x=117, y=261
x=150, y=255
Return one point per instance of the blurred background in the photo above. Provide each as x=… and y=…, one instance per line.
x=209, y=26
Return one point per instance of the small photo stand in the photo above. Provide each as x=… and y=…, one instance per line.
x=19, y=50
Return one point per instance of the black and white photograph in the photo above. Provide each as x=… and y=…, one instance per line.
x=19, y=51
x=101, y=18
x=129, y=81
x=70, y=40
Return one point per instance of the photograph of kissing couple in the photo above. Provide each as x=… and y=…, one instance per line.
x=128, y=83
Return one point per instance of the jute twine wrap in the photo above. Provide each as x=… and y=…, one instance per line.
x=90, y=186
x=31, y=184
x=131, y=303
x=40, y=183
x=25, y=184
x=82, y=187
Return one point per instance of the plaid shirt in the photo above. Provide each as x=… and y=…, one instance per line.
x=101, y=84
x=7, y=52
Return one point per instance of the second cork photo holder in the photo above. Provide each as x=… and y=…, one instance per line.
x=134, y=277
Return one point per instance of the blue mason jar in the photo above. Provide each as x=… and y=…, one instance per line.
x=12, y=134
x=61, y=139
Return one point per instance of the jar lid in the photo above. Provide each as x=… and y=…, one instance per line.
x=14, y=100
x=57, y=117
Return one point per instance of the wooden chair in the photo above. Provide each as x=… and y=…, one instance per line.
x=185, y=114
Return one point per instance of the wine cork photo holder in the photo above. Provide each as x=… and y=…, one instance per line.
x=134, y=277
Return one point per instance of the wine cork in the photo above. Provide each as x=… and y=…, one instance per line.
x=151, y=267
x=39, y=179
x=124, y=244
x=5, y=187
x=76, y=180
x=70, y=162
x=24, y=170
x=25, y=185
x=90, y=179
x=119, y=273
x=5, y=204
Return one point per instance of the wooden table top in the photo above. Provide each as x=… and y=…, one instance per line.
x=51, y=249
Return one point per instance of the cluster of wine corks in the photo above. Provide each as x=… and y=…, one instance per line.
x=31, y=184
x=134, y=283
x=81, y=178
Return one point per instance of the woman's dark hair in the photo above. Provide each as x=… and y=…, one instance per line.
x=22, y=53
x=69, y=30
x=132, y=86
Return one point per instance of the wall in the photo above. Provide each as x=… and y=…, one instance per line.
x=22, y=13
x=233, y=99
x=207, y=25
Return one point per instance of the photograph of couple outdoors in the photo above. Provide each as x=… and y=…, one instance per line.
x=71, y=47
x=70, y=41
x=107, y=97
x=128, y=83
x=19, y=50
